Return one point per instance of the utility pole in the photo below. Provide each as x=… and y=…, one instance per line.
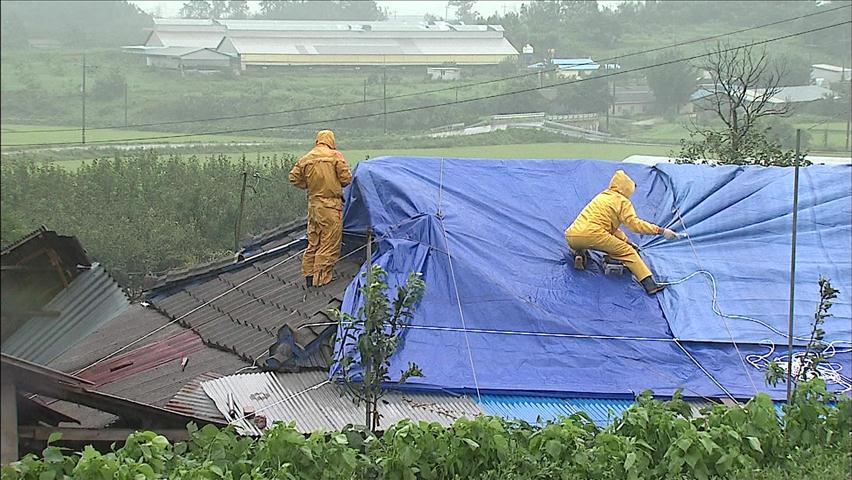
x=240, y=214
x=83, y=94
x=368, y=391
x=385, y=95
x=125, y=103
x=793, y=267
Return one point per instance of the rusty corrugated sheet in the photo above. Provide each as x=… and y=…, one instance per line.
x=305, y=399
x=144, y=358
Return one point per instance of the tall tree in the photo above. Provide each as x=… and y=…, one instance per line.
x=218, y=9
x=196, y=9
x=320, y=10
x=672, y=84
x=238, y=9
x=464, y=11
x=744, y=81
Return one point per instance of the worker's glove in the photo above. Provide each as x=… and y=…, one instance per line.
x=669, y=234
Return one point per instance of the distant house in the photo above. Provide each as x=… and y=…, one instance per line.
x=444, y=73
x=185, y=32
x=822, y=74
x=187, y=58
x=632, y=101
x=786, y=95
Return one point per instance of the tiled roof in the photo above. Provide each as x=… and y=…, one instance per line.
x=260, y=302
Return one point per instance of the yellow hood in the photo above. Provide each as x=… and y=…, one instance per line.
x=326, y=137
x=622, y=184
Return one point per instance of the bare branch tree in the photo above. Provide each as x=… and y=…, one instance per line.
x=745, y=85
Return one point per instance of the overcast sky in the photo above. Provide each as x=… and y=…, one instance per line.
x=396, y=7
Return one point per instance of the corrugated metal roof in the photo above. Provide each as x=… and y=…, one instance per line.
x=303, y=398
x=364, y=44
x=200, y=39
x=90, y=301
x=542, y=409
x=191, y=399
x=538, y=410
x=178, y=346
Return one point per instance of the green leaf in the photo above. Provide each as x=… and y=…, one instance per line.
x=470, y=443
x=755, y=443
x=553, y=448
x=217, y=470
x=48, y=475
x=692, y=457
x=629, y=461
x=53, y=455
x=54, y=437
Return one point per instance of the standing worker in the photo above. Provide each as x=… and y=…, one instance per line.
x=597, y=228
x=323, y=172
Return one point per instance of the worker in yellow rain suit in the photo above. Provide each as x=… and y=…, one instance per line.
x=597, y=228
x=323, y=172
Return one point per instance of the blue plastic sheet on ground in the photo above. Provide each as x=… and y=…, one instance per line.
x=504, y=311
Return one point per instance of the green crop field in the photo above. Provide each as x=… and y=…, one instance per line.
x=538, y=150
x=14, y=135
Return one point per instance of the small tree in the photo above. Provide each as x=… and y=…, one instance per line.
x=374, y=335
x=814, y=354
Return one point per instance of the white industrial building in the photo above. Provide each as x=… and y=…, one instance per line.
x=315, y=43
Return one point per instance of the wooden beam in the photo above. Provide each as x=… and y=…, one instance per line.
x=9, y=413
x=71, y=434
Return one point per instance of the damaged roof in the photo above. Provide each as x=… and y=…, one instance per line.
x=209, y=321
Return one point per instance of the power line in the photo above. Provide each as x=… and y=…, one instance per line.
x=437, y=105
x=438, y=90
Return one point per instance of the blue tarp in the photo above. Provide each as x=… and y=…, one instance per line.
x=504, y=311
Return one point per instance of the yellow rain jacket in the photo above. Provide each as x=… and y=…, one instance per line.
x=323, y=172
x=597, y=226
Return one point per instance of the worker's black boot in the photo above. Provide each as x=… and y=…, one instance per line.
x=651, y=287
x=580, y=260
x=309, y=281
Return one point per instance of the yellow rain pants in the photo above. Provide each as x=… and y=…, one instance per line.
x=323, y=172
x=597, y=226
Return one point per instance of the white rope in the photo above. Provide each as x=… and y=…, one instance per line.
x=715, y=303
x=455, y=284
x=718, y=312
x=829, y=371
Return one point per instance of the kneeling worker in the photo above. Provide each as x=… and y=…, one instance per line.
x=597, y=228
x=324, y=173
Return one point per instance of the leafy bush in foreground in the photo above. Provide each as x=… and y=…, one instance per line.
x=653, y=439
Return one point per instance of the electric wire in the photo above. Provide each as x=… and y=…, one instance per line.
x=435, y=105
x=438, y=90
